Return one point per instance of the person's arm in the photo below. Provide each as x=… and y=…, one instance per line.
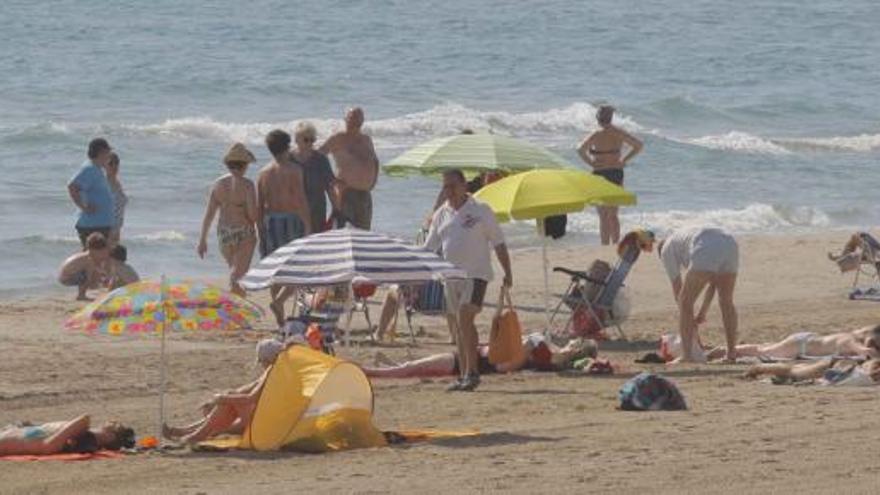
x=74, y=189
x=261, y=202
x=584, y=151
x=251, y=210
x=676, y=288
x=432, y=240
x=58, y=440
x=634, y=144
x=210, y=212
x=504, y=258
x=707, y=301
x=375, y=160
x=329, y=145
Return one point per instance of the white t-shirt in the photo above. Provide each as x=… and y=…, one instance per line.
x=465, y=236
x=676, y=253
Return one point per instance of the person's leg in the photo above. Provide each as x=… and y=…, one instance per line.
x=692, y=286
x=604, y=227
x=613, y=225
x=468, y=339
x=390, y=308
x=430, y=366
x=282, y=294
x=725, y=283
x=241, y=263
x=221, y=418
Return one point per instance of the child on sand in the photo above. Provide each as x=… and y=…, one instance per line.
x=88, y=269
x=235, y=197
x=121, y=273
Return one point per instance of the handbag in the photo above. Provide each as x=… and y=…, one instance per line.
x=505, y=339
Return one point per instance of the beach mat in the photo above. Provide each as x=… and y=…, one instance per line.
x=101, y=454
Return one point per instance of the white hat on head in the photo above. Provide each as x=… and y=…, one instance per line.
x=268, y=350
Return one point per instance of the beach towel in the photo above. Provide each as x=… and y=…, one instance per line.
x=85, y=456
x=650, y=392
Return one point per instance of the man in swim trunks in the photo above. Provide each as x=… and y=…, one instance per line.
x=357, y=169
x=465, y=229
x=602, y=151
x=710, y=258
x=282, y=206
x=85, y=270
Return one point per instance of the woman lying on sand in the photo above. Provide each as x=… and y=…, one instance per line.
x=63, y=436
x=539, y=354
x=229, y=412
x=864, y=341
x=829, y=371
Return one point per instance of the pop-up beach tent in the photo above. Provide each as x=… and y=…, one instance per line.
x=310, y=402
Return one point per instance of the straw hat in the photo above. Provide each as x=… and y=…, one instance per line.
x=238, y=153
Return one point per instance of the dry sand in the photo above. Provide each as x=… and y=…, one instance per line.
x=542, y=432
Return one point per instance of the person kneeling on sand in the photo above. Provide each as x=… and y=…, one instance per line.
x=864, y=341
x=540, y=354
x=121, y=273
x=86, y=270
x=710, y=258
x=63, y=436
x=229, y=412
x=830, y=371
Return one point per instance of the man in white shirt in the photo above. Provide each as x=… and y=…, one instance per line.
x=465, y=229
x=709, y=257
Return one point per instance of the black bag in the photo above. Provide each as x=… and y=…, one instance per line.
x=555, y=226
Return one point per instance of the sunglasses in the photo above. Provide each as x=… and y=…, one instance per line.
x=236, y=165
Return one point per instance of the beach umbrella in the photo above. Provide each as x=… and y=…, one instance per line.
x=474, y=153
x=152, y=308
x=539, y=194
x=348, y=257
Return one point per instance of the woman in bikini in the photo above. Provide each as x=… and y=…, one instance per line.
x=235, y=197
x=63, y=436
x=602, y=150
x=540, y=354
x=864, y=341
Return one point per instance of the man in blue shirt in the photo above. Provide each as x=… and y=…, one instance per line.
x=91, y=193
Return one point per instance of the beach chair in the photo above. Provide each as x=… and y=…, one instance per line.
x=861, y=254
x=591, y=296
x=427, y=299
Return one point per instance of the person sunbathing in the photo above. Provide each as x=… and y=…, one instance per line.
x=539, y=354
x=63, y=436
x=830, y=371
x=864, y=341
x=229, y=412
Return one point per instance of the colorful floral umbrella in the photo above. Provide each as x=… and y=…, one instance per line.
x=152, y=307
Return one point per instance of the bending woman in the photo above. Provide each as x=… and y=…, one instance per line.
x=539, y=354
x=229, y=412
x=602, y=150
x=63, y=436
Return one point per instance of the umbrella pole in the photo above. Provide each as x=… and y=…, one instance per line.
x=349, y=305
x=546, y=276
x=162, y=372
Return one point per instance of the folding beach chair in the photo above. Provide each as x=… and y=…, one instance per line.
x=591, y=295
x=427, y=299
x=860, y=254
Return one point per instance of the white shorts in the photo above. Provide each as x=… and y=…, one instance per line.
x=714, y=251
x=468, y=291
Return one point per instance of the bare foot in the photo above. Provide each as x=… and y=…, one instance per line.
x=278, y=312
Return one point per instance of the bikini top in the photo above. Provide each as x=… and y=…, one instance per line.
x=604, y=152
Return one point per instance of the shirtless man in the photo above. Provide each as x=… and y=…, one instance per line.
x=864, y=341
x=282, y=206
x=86, y=270
x=235, y=197
x=357, y=169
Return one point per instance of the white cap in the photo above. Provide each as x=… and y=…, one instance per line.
x=268, y=350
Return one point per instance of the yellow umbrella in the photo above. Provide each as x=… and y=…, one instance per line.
x=538, y=194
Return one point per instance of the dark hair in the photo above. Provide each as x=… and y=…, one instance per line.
x=454, y=172
x=96, y=146
x=604, y=114
x=123, y=438
x=278, y=142
x=119, y=253
x=96, y=240
x=114, y=158
x=84, y=443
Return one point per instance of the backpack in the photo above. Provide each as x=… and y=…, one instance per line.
x=650, y=392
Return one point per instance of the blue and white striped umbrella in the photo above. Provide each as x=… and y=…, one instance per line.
x=348, y=256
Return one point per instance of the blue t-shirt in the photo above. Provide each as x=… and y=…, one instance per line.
x=94, y=190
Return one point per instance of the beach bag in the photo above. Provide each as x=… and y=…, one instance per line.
x=554, y=227
x=505, y=338
x=650, y=392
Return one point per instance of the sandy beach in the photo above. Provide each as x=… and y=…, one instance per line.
x=541, y=432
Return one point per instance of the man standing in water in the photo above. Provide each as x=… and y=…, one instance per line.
x=282, y=207
x=357, y=169
x=90, y=192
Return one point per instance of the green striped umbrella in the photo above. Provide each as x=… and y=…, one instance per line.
x=474, y=153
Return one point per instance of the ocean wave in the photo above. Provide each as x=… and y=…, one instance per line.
x=754, y=218
x=862, y=143
x=739, y=141
x=158, y=237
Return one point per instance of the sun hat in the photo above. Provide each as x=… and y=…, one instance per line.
x=238, y=153
x=268, y=350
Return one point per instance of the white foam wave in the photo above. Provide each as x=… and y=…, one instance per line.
x=738, y=141
x=754, y=218
x=160, y=236
x=862, y=143
x=437, y=121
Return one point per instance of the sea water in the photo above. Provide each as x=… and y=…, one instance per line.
x=757, y=116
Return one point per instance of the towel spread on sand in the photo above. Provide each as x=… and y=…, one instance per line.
x=101, y=454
